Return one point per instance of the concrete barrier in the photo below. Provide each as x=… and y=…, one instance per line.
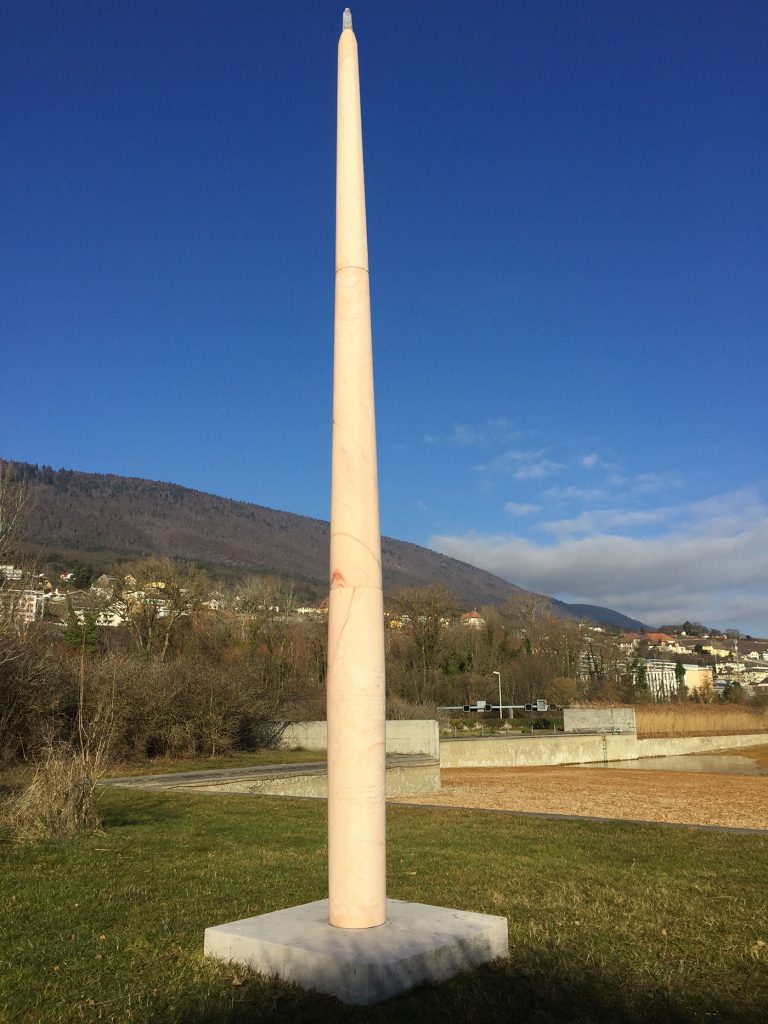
x=597, y=719
x=401, y=780
x=419, y=736
x=416, y=736
x=305, y=736
x=697, y=744
x=529, y=751
x=521, y=751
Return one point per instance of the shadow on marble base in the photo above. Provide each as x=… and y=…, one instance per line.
x=418, y=943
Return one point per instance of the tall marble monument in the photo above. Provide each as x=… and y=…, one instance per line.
x=356, y=711
x=357, y=944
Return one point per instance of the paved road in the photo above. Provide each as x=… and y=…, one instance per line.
x=213, y=776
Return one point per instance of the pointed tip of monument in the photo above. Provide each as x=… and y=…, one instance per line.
x=346, y=21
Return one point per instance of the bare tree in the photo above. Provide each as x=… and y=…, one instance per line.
x=424, y=612
x=154, y=595
x=14, y=501
x=261, y=599
x=551, y=646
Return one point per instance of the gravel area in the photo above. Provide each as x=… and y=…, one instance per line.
x=693, y=799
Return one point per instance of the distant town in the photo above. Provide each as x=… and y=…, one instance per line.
x=685, y=661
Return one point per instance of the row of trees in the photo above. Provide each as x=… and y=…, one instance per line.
x=186, y=678
x=434, y=658
x=178, y=678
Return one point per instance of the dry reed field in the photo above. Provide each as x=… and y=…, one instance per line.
x=659, y=720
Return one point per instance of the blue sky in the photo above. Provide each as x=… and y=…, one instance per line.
x=567, y=227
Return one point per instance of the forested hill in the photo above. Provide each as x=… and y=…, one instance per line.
x=105, y=517
x=110, y=516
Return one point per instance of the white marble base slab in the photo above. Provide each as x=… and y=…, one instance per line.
x=418, y=943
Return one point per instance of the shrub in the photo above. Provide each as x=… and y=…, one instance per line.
x=400, y=708
x=60, y=801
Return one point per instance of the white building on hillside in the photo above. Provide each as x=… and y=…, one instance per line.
x=662, y=678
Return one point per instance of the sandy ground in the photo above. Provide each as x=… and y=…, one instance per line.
x=694, y=799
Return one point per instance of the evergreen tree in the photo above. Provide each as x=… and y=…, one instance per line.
x=682, y=689
x=642, y=689
x=82, y=634
x=83, y=575
x=733, y=693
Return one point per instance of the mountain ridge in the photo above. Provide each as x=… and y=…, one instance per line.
x=130, y=517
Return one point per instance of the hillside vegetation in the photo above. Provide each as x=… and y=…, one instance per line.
x=110, y=516
x=104, y=517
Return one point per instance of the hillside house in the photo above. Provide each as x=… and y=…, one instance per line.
x=662, y=681
x=630, y=641
x=104, y=584
x=698, y=678
x=105, y=617
x=22, y=606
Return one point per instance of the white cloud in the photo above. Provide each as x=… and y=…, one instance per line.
x=593, y=460
x=509, y=461
x=495, y=430
x=538, y=470
x=572, y=493
x=617, y=488
x=500, y=426
x=710, y=564
x=524, y=508
x=650, y=483
x=606, y=519
x=462, y=433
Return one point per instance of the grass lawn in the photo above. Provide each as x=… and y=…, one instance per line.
x=609, y=923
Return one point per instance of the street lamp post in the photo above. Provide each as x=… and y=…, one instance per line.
x=501, y=713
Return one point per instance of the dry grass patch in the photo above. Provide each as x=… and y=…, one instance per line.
x=660, y=720
x=59, y=801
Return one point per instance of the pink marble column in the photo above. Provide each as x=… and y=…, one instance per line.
x=356, y=709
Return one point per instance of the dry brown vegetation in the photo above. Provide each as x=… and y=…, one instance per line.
x=59, y=801
x=693, y=798
x=685, y=719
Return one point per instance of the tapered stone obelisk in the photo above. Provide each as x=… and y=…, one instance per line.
x=356, y=710
x=356, y=945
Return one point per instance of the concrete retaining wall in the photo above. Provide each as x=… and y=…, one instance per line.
x=698, y=744
x=305, y=736
x=596, y=719
x=419, y=736
x=401, y=780
x=521, y=751
x=422, y=737
x=528, y=751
